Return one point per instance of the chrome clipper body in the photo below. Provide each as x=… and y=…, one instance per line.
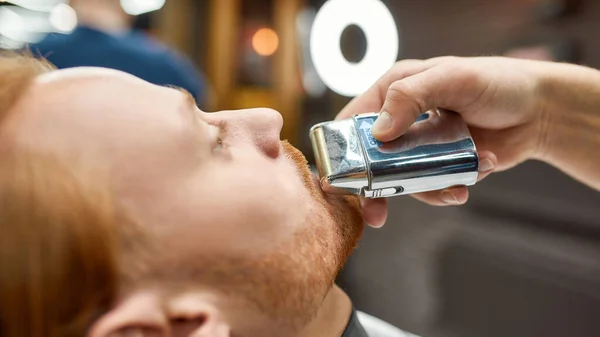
x=435, y=153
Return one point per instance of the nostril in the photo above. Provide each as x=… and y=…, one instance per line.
x=274, y=150
x=260, y=127
x=268, y=143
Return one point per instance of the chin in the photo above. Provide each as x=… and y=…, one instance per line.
x=347, y=216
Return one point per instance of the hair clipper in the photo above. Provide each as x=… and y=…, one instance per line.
x=435, y=153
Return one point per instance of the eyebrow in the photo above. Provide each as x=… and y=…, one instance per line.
x=190, y=104
x=191, y=101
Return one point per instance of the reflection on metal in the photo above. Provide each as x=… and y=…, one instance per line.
x=339, y=157
x=379, y=27
x=435, y=153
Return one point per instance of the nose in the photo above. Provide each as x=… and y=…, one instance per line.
x=261, y=127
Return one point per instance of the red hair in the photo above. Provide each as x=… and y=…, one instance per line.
x=59, y=263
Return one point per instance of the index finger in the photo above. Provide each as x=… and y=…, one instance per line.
x=372, y=100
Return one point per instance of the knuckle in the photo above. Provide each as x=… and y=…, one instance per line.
x=404, y=92
x=400, y=90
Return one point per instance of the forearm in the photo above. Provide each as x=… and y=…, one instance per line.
x=571, y=122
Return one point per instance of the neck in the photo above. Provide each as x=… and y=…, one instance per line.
x=332, y=317
x=103, y=17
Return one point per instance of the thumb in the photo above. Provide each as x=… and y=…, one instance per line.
x=405, y=101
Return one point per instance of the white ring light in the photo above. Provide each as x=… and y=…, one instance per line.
x=379, y=27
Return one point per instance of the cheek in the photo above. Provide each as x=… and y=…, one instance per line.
x=248, y=224
x=273, y=180
x=251, y=204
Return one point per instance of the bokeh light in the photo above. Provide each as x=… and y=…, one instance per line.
x=265, y=42
x=63, y=18
x=137, y=7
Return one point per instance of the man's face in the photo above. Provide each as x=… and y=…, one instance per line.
x=232, y=207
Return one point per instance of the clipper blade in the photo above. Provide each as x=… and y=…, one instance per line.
x=339, y=157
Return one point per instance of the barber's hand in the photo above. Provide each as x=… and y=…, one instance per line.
x=496, y=97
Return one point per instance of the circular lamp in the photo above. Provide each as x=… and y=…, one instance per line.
x=379, y=27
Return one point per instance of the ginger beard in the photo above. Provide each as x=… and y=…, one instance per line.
x=344, y=210
x=290, y=284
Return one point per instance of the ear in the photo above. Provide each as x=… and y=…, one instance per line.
x=140, y=313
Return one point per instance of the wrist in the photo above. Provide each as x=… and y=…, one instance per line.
x=568, y=109
x=545, y=115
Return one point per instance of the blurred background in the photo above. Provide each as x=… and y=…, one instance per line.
x=522, y=258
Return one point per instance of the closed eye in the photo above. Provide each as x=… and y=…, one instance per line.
x=219, y=146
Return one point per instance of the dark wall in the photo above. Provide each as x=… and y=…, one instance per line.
x=431, y=28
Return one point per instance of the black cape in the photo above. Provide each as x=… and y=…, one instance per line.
x=354, y=328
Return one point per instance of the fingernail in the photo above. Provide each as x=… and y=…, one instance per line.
x=486, y=165
x=383, y=123
x=449, y=198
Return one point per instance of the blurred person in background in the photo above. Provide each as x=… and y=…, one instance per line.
x=141, y=215
x=105, y=37
x=516, y=110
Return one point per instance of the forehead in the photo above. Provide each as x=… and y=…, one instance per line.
x=103, y=115
x=97, y=100
x=95, y=88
